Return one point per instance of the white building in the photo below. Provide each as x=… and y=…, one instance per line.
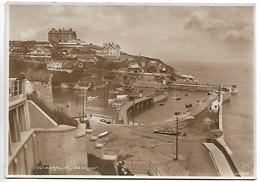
x=111, y=49
x=39, y=52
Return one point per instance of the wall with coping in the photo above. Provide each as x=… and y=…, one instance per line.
x=62, y=150
x=38, y=118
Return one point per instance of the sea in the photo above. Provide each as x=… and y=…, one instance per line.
x=239, y=113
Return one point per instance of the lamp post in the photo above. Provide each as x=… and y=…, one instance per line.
x=177, y=135
x=132, y=97
x=83, y=104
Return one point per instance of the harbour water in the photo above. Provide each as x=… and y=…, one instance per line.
x=238, y=114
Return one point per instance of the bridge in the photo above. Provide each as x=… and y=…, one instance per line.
x=131, y=107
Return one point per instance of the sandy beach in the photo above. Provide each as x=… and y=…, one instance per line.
x=139, y=143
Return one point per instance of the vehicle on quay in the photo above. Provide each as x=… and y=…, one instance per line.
x=116, y=105
x=105, y=121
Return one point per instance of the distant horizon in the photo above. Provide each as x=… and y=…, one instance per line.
x=170, y=33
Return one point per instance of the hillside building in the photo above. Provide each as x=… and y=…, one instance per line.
x=110, y=49
x=61, y=35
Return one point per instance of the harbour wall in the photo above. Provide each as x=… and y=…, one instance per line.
x=140, y=104
x=159, y=97
x=219, y=142
x=191, y=87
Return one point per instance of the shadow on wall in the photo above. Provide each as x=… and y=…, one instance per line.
x=104, y=167
x=59, y=117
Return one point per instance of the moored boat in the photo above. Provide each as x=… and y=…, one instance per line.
x=165, y=131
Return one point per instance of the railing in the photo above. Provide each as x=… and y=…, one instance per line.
x=16, y=90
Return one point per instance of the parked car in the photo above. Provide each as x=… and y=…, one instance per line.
x=105, y=121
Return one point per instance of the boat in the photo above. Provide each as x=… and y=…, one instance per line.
x=165, y=131
x=177, y=98
x=188, y=105
x=234, y=89
x=161, y=104
x=103, y=134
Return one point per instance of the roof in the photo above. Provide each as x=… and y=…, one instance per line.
x=86, y=56
x=111, y=45
x=53, y=30
x=188, y=76
x=134, y=66
x=40, y=48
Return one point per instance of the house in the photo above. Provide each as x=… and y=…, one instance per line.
x=87, y=59
x=134, y=68
x=110, y=49
x=60, y=65
x=39, y=53
x=72, y=44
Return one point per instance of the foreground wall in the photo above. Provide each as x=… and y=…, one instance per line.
x=62, y=150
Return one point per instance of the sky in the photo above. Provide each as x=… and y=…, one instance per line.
x=171, y=33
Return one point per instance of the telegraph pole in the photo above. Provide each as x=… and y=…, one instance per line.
x=177, y=136
x=133, y=110
x=83, y=108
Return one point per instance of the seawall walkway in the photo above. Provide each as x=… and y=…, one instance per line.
x=220, y=161
x=219, y=150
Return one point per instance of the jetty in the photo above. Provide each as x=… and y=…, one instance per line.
x=133, y=107
x=138, y=105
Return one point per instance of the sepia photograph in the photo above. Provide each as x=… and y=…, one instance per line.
x=130, y=91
